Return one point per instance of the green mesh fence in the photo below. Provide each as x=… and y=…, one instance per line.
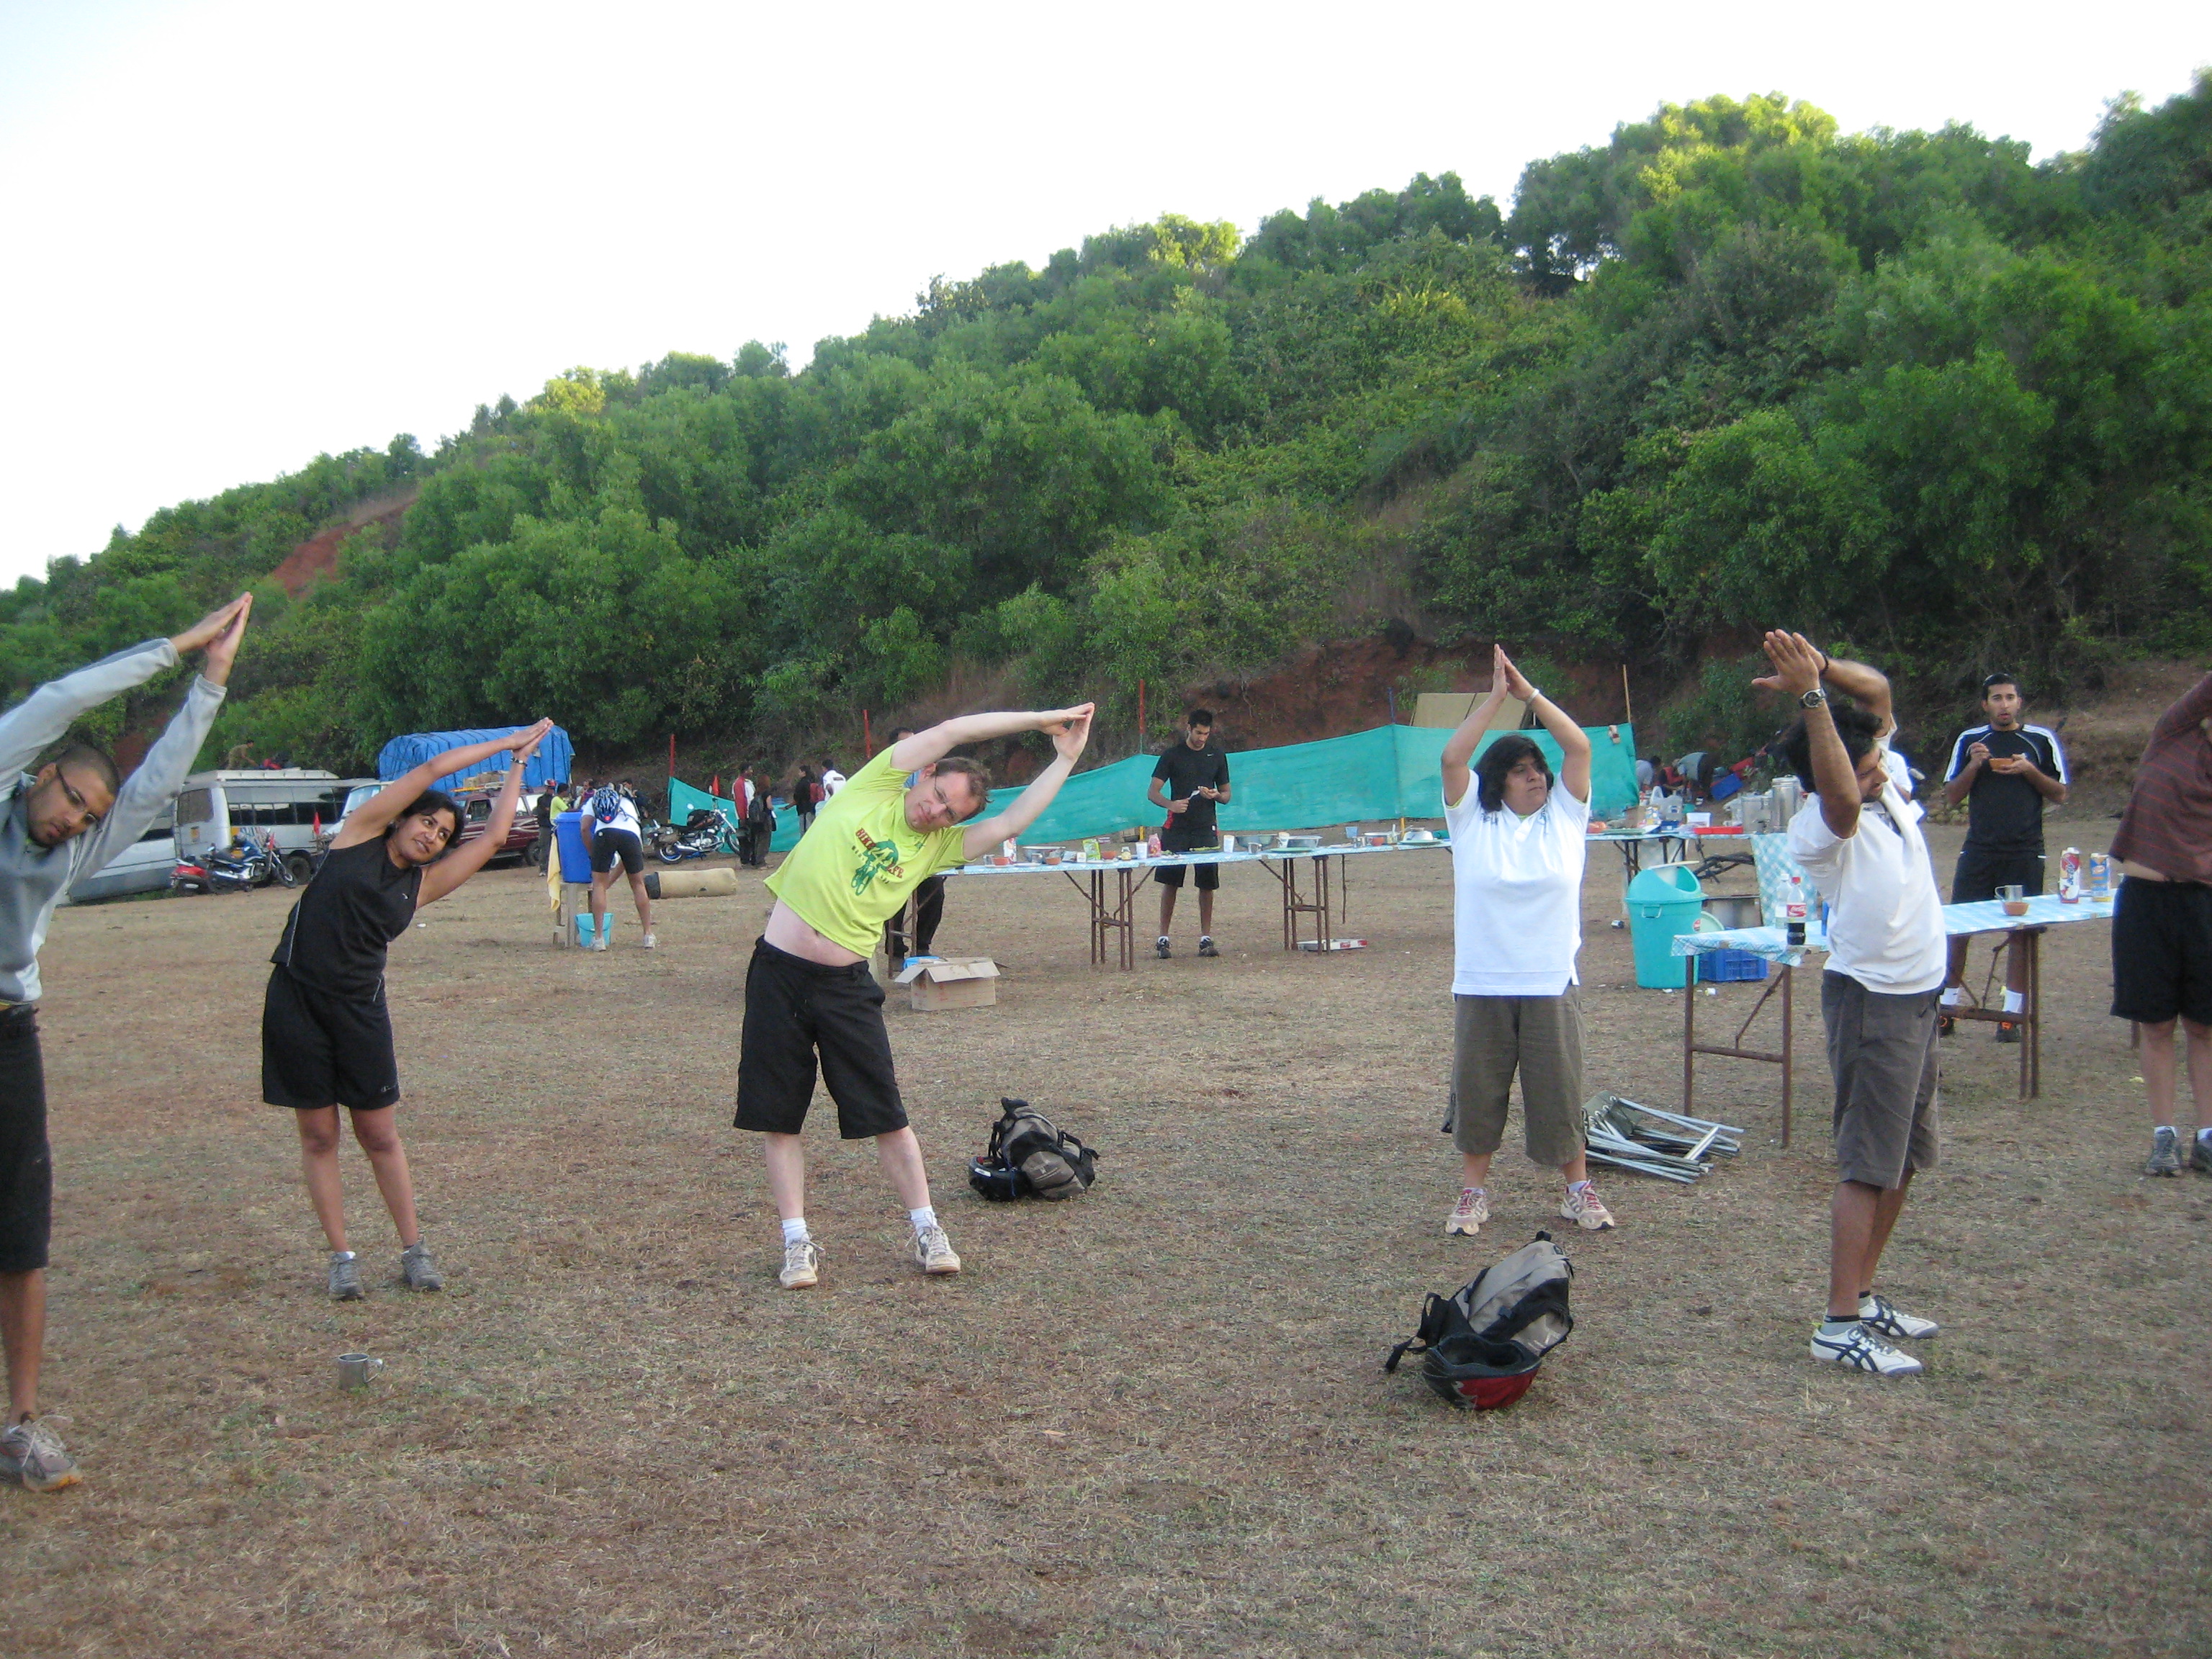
x=1391, y=772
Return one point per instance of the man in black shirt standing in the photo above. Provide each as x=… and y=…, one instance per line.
x=2005, y=771
x=1190, y=779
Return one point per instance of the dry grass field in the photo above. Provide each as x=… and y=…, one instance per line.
x=1151, y=1421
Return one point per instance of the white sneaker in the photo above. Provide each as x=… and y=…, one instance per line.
x=1468, y=1214
x=599, y=942
x=1585, y=1208
x=1853, y=1346
x=648, y=941
x=933, y=1251
x=802, y=1265
x=1876, y=1314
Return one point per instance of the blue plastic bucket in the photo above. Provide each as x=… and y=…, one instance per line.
x=1662, y=903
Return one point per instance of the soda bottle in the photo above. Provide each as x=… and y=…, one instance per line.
x=1793, y=914
x=2069, y=876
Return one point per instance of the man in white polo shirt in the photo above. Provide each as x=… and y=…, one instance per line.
x=1858, y=838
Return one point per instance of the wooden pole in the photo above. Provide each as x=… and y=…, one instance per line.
x=672, y=754
x=867, y=737
x=1628, y=712
x=1140, y=717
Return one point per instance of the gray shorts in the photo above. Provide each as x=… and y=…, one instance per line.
x=1883, y=1056
x=1542, y=1038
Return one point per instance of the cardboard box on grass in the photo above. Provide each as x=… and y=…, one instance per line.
x=952, y=983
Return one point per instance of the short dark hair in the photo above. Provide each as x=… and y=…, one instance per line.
x=98, y=762
x=1199, y=717
x=978, y=776
x=1857, y=728
x=1996, y=680
x=431, y=800
x=1501, y=756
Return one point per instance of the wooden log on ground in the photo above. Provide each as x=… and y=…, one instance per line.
x=719, y=882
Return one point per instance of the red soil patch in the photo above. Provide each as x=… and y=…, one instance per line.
x=318, y=556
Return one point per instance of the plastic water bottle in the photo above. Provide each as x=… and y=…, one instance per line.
x=1793, y=914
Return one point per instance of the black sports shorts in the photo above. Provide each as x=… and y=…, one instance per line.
x=2162, y=952
x=1981, y=873
x=608, y=845
x=27, y=1164
x=318, y=1050
x=795, y=1009
x=1207, y=876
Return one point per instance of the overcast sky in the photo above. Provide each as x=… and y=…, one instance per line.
x=246, y=232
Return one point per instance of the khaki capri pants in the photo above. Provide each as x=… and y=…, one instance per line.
x=1541, y=1037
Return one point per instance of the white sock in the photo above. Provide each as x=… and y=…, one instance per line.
x=794, y=1229
x=2163, y=1130
x=1576, y=1185
x=2205, y=1135
x=924, y=1216
x=2016, y=1002
x=1955, y=996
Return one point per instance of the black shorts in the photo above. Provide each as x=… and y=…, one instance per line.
x=795, y=1009
x=1207, y=876
x=318, y=1050
x=26, y=1163
x=1981, y=873
x=2162, y=952
x=608, y=845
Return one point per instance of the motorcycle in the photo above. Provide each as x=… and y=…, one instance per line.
x=706, y=830
x=247, y=865
x=189, y=874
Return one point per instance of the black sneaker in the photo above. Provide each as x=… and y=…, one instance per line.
x=2200, y=1154
x=1205, y=946
x=1160, y=948
x=1945, y=1025
x=2164, y=1157
x=2008, y=1030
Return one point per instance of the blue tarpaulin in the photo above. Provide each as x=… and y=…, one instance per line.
x=548, y=765
x=1391, y=772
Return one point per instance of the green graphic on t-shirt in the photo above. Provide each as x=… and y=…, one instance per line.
x=877, y=858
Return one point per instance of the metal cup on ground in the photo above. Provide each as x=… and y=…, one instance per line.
x=357, y=1370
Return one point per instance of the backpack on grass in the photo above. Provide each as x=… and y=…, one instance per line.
x=1483, y=1344
x=1031, y=1156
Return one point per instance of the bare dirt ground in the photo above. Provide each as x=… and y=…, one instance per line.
x=1151, y=1421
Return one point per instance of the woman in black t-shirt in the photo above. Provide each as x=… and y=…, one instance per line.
x=326, y=1031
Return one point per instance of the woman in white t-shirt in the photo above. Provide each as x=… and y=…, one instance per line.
x=1517, y=847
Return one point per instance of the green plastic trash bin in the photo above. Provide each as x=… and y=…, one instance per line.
x=1662, y=903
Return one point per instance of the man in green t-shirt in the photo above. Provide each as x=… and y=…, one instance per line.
x=810, y=998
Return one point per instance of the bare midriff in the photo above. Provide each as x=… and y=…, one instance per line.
x=789, y=933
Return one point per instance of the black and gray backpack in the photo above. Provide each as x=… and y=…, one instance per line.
x=1482, y=1345
x=1031, y=1156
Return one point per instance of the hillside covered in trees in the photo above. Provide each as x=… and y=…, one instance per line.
x=1732, y=367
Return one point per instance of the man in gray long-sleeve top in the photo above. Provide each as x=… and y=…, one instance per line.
x=58, y=825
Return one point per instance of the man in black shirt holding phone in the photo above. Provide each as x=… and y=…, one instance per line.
x=2005, y=772
x=1190, y=779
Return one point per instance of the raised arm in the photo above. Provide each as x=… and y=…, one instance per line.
x=2193, y=705
x=162, y=773
x=1797, y=671
x=912, y=754
x=1574, y=742
x=458, y=865
x=1460, y=747
x=1866, y=686
x=1074, y=732
x=46, y=714
x=373, y=816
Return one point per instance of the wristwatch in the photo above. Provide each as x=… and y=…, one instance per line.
x=1815, y=698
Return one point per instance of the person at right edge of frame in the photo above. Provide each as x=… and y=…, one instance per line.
x=58, y=825
x=1191, y=779
x=1858, y=838
x=2162, y=921
x=810, y=1001
x=2004, y=771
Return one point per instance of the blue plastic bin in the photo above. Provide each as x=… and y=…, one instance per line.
x=1730, y=967
x=569, y=839
x=1662, y=903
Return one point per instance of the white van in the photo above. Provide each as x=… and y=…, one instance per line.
x=142, y=867
x=287, y=802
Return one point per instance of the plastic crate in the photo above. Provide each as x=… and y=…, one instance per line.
x=1730, y=967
